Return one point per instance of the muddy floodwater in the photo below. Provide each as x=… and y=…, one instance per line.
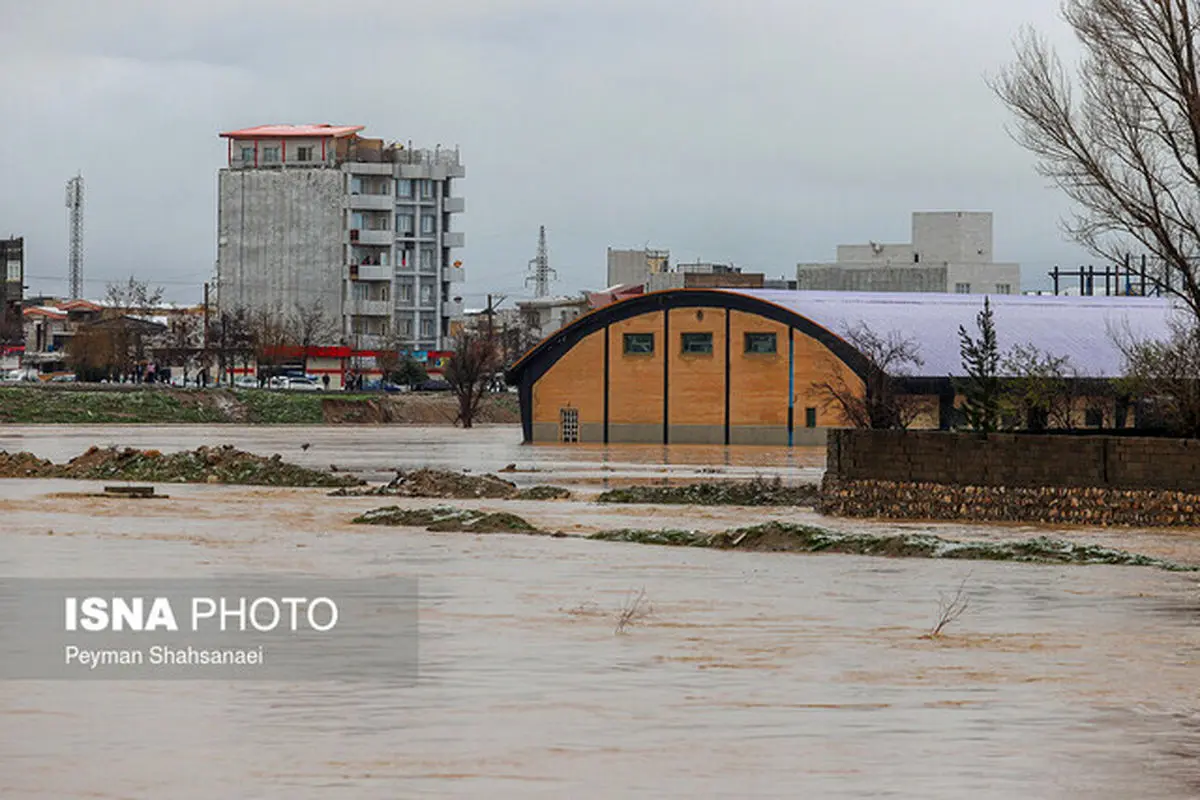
x=750, y=675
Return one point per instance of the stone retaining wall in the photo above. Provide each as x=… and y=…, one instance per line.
x=1077, y=480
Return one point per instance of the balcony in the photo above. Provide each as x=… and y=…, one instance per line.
x=368, y=341
x=370, y=272
x=367, y=308
x=452, y=308
x=450, y=239
x=454, y=205
x=367, y=168
x=384, y=238
x=454, y=275
x=372, y=202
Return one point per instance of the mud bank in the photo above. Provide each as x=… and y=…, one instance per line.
x=780, y=537
x=757, y=492
x=202, y=465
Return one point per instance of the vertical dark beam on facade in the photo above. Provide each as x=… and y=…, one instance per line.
x=525, y=398
x=666, y=431
x=791, y=386
x=728, y=312
x=606, y=373
x=945, y=409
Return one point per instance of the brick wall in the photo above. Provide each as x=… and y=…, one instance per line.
x=1014, y=460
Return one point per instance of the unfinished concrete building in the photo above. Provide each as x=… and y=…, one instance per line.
x=319, y=217
x=951, y=251
x=632, y=267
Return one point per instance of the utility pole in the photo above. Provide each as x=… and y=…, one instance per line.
x=206, y=320
x=539, y=268
x=75, y=249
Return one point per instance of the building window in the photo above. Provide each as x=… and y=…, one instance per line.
x=247, y=155
x=1094, y=418
x=406, y=328
x=428, y=223
x=304, y=154
x=916, y=258
x=426, y=190
x=760, y=343
x=962, y=288
x=700, y=343
x=568, y=419
x=405, y=292
x=1003, y=288
x=810, y=417
x=426, y=294
x=639, y=343
x=428, y=259
x=404, y=223
x=426, y=329
x=403, y=187
x=270, y=155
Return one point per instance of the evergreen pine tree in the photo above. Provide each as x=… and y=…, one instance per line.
x=981, y=361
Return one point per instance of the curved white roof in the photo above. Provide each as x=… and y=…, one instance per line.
x=1081, y=328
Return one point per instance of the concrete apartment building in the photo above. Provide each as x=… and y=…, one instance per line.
x=951, y=251
x=632, y=267
x=317, y=215
x=12, y=292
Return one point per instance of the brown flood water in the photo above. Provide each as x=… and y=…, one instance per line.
x=754, y=675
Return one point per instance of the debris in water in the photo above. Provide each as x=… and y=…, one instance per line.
x=447, y=519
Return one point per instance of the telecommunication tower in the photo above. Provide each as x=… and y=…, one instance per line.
x=75, y=251
x=539, y=268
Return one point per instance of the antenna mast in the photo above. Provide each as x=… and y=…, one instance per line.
x=539, y=267
x=75, y=251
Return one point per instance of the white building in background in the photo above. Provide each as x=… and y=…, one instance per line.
x=951, y=251
x=318, y=215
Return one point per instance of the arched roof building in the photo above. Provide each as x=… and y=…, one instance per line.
x=742, y=366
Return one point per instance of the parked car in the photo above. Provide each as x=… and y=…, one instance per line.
x=16, y=376
x=245, y=382
x=65, y=377
x=301, y=385
x=433, y=385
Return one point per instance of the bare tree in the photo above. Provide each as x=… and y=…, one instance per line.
x=470, y=373
x=1166, y=376
x=272, y=337
x=311, y=325
x=1040, y=387
x=880, y=401
x=133, y=297
x=183, y=340
x=1121, y=138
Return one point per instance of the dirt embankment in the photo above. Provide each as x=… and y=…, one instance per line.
x=117, y=403
x=203, y=465
x=443, y=484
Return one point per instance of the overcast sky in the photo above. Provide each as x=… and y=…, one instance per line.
x=762, y=132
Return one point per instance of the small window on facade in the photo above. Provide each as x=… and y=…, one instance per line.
x=404, y=223
x=247, y=155
x=568, y=419
x=639, y=343
x=1094, y=418
x=428, y=260
x=406, y=328
x=270, y=155
x=428, y=223
x=916, y=258
x=1003, y=288
x=403, y=187
x=962, y=288
x=760, y=343
x=810, y=417
x=426, y=189
x=426, y=329
x=405, y=292
x=426, y=294
x=697, y=342
x=304, y=154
